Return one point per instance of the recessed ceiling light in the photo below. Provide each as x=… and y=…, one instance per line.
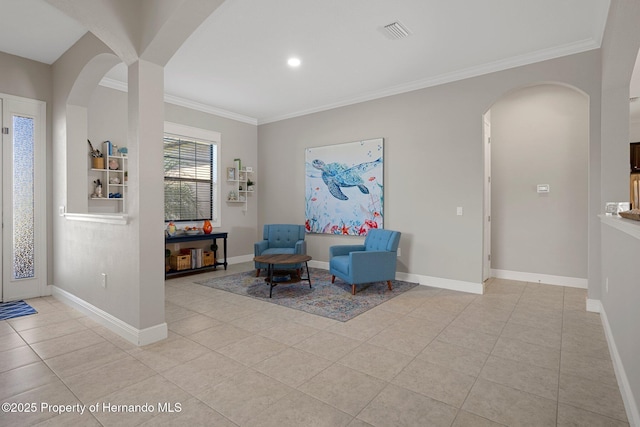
x=294, y=62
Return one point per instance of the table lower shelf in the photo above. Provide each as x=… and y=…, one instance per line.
x=176, y=273
x=295, y=276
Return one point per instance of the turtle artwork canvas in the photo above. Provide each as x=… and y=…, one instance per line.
x=344, y=187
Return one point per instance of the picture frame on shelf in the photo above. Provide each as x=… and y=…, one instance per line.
x=231, y=174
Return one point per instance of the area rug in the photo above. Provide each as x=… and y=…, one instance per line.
x=9, y=310
x=323, y=299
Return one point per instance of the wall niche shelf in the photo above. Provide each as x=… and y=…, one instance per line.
x=114, y=184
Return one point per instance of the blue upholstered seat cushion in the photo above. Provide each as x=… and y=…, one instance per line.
x=374, y=261
x=278, y=251
x=280, y=239
x=341, y=263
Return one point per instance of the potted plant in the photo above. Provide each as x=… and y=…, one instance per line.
x=250, y=184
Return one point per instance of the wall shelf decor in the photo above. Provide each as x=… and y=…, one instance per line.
x=240, y=188
x=113, y=178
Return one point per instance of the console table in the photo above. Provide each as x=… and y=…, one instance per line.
x=196, y=237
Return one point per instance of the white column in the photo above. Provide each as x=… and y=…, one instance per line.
x=146, y=190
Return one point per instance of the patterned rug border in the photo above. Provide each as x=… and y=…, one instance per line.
x=13, y=309
x=324, y=299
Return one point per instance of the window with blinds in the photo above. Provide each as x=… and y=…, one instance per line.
x=190, y=179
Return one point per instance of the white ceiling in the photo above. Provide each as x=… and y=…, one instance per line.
x=236, y=61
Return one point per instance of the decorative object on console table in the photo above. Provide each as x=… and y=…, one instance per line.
x=207, y=227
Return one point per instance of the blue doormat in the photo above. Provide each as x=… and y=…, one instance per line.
x=9, y=310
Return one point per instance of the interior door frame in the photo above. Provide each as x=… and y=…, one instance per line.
x=486, y=218
x=36, y=286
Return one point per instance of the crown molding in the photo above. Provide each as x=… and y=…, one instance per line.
x=492, y=67
x=488, y=68
x=182, y=102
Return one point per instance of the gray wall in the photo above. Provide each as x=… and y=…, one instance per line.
x=239, y=140
x=620, y=301
x=619, y=252
x=433, y=162
x=31, y=79
x=107, y=119
x=540, y=135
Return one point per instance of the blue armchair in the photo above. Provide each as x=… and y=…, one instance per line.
x=372, y=262
x=280, y=239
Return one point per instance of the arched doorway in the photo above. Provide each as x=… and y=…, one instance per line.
x=539, y=185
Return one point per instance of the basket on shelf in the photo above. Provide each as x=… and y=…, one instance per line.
x=208, y=259
x=180, y=262
x=633, y=214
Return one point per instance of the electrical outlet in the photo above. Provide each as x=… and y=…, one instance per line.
x=399, y=251
x=459, y=211
x=104, y=280
x=606, y=285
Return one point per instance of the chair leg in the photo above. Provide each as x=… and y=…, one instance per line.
x=389, y=285
x=257, y=272
x=333, y=279
x=353, y=289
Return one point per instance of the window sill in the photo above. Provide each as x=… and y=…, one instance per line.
x=628, y=226
x=119, y=219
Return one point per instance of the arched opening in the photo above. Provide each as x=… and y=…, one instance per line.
x=539, y=185
x=77, y=129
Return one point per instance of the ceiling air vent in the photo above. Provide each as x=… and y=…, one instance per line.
x=396, y=30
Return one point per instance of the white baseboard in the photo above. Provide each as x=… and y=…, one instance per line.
x=437, y=282
x=572, y=282
x=630, y=405
x=239, y=259
x=594, y=305
x=128, y=332
x=440, y=282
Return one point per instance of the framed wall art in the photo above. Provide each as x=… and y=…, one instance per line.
x=344, y=187
x=231, y=174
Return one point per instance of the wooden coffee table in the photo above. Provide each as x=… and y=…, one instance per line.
x=276, y=259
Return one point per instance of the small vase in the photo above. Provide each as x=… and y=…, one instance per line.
x=207, y=227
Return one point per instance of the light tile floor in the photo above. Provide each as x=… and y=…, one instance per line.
x=521, y=354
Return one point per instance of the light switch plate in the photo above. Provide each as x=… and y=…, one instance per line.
x=543, y=188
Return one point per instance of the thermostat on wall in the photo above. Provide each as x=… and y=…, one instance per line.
x=543, y=188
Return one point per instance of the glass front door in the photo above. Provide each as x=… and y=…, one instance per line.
x=23, y=200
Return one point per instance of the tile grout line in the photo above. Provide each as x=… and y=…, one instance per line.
x=490, y=353
x=54, y=373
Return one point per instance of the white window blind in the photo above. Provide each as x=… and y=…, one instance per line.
x=190, y=179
